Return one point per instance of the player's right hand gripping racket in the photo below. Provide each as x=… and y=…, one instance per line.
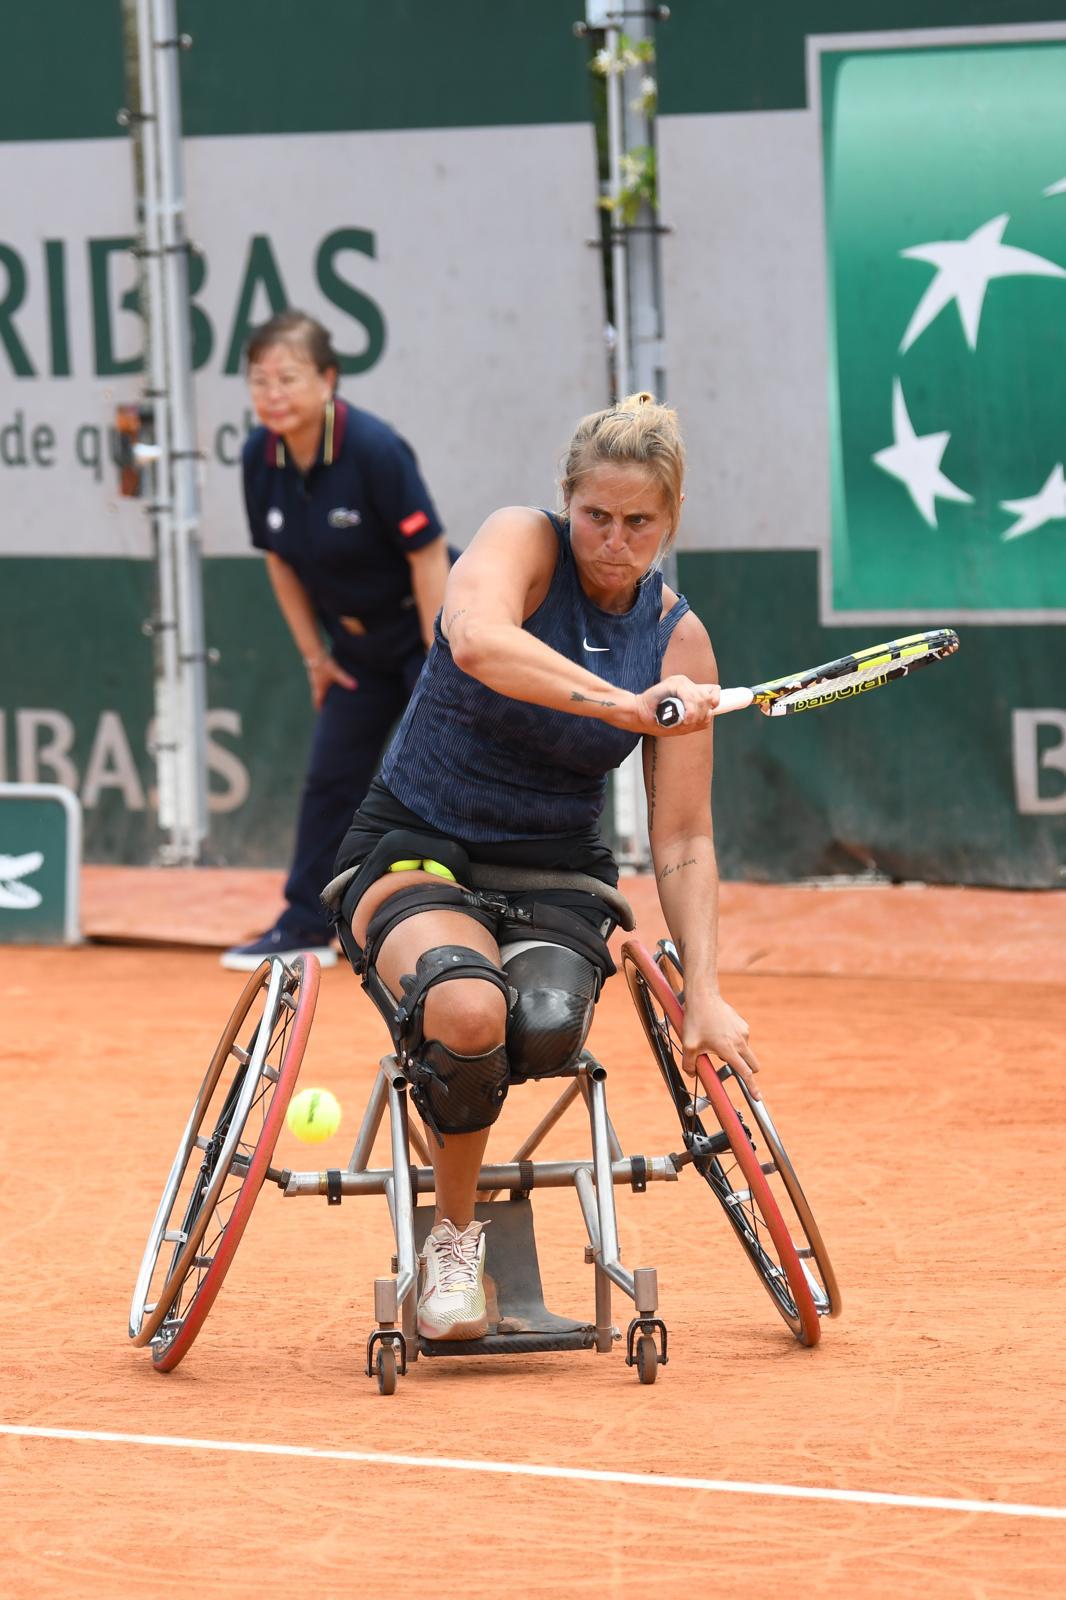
x=836, y=680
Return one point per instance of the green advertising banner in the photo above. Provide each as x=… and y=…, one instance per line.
x=40, y=861
x=945, y=184
x=865, y=306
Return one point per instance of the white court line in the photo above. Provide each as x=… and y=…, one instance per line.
x=524, y=1469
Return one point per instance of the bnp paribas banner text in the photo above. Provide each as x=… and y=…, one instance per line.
x=868, y=260
x=390, y=170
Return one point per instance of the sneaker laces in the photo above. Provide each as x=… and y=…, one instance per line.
x=457, y=1255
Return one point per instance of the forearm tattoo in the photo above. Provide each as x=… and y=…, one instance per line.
x=651, y=795
x=455, y=616
x=590, y=700
x=676, y=866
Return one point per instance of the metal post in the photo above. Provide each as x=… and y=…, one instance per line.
x=164, y=625
x=607, y=1255
x=402, y=1204
x=639, y=351
x=368, y=1129
x=191, y=718
x=647, y=354
x=615, y=87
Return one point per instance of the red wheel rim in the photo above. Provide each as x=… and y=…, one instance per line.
x=745, y=1156
x=204, y=1298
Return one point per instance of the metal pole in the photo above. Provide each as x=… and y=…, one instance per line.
x=192, y=697
x=642, y=249
x=639, y=351
x=164, y=624
x=615, y=89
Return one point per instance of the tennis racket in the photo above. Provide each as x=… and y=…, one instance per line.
x=836, y=680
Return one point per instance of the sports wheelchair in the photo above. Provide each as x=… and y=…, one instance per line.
x=728, y=1139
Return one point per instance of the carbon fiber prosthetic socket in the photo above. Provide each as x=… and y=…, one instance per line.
x=550, y=1019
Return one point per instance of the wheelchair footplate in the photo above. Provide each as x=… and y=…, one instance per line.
x=519, y=1321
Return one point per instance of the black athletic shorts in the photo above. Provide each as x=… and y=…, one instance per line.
x=381, y=813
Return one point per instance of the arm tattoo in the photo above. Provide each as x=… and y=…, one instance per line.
x=651, y=796
x=678, y=866
x=590, y=700
x=456, y=615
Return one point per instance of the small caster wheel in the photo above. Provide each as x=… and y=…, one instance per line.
x=385, y=1363
x=647, y=1358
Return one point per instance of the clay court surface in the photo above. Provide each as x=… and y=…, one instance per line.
x=912, y=1046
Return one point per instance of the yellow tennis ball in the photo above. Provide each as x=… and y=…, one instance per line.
x=405, y=866
x=313, y=1115
x=438, y=870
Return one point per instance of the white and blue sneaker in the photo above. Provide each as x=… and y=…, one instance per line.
x=277, y=942
x=452, y=1302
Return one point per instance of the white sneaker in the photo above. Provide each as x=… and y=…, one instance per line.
x=452, y=1302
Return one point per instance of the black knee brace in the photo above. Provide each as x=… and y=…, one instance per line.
x=458, y=1094
x=454, y=1093
x=556, y=992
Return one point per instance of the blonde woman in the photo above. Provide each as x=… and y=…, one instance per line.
x=557, y=641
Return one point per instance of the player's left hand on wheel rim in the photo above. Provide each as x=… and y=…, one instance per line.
x=716, y=1030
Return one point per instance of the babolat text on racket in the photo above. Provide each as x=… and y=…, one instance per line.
x=836, y=680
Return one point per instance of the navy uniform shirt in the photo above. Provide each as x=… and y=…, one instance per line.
x=346, y=528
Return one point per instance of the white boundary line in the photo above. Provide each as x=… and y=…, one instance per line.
x=640, y=1480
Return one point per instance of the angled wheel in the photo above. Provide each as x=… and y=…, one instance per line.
x=223, y=1157
x=813, y=1255
x=742, y=1159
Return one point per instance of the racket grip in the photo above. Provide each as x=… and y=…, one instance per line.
x=669, y=713
x=734, y=700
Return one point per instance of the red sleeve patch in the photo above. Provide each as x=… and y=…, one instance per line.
x=414, y=524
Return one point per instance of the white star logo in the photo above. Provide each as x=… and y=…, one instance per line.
x=915, y=460
x=1055, y=188
x=1047, y=506
x=965, y=269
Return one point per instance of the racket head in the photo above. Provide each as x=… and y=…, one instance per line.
x=854, y=674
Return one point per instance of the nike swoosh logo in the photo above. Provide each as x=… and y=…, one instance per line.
x=596, y=649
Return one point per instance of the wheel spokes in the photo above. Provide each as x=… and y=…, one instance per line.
x=657, y=991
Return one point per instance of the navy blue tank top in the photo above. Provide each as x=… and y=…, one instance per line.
x=480, y=766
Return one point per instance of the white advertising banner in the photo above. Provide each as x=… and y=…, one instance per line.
x=451, y=267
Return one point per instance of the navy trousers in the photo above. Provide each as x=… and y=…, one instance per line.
x=349, y=739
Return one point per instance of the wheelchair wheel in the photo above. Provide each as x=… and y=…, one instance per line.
x=385, y=1366
x=814, y=1257
x=223, y=1158
x=745, y=1163
x=647, y=1358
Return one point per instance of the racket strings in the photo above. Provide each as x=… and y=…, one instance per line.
x=868, y=669
x=863, y=676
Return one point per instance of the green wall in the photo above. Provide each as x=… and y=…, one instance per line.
x=363, y=65
x=750, y=55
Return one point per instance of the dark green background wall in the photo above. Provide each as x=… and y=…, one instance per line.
x=750, y=55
